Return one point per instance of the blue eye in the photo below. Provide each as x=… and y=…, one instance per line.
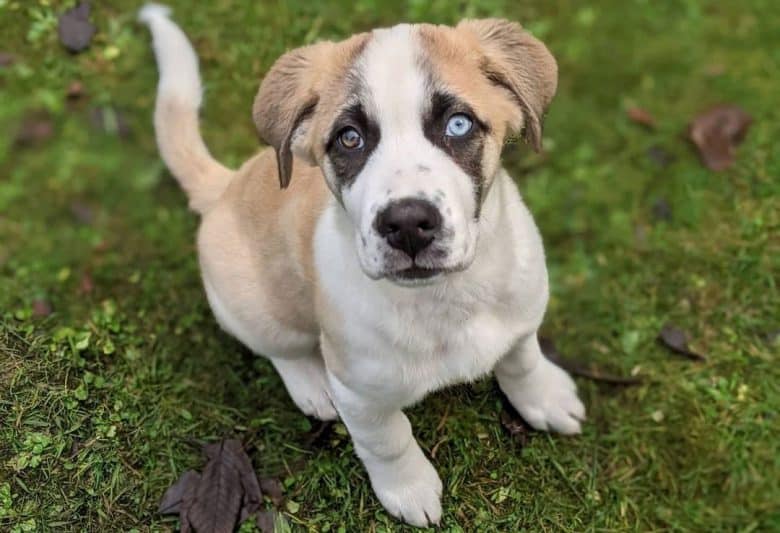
x=458, y=125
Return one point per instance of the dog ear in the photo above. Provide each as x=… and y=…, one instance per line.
x=291, y=95
x=517, y=61
x=285, y=105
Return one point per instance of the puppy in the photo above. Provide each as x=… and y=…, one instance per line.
x=397, y=257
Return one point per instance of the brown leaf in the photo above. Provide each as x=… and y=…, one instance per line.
x=582, y=369
x=75, y=29
x=659, y=156
x=641, y=116
x=677, y=340
x=81, y=211
x=86, y=285
x=35, y=129
x=662, y=210
x=75, y=90
x=514, y=424
x=272, y=488
x=110, y=120
x=225, y=493
x=265, y=521
x=179, y=494
x=717, y=132
x=41, y=308
x=7, y=59
x=319, y=433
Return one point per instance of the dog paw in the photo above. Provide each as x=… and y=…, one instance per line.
x=411, y=493
x=308, y=386
x=546, y=398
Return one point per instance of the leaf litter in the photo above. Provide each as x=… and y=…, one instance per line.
x=224, y=495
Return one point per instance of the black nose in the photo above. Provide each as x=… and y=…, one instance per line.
x=409, y=225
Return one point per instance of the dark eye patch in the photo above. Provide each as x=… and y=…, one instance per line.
x=347, y=163
x=466, y=150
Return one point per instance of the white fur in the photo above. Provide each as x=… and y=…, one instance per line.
x=405, y=164
x=176, y=60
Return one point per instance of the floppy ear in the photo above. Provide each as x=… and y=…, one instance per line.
x=520, y=63
x=285, y=105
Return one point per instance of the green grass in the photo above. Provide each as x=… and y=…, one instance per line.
x=103, y=402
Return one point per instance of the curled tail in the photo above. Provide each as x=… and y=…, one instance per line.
x=176, y=113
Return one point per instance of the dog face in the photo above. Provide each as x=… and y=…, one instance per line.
x=407, y=124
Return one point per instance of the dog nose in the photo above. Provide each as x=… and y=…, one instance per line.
x=409, y=225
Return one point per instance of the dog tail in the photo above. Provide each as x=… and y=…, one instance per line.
x=179, y=96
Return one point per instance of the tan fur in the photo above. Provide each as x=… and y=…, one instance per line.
x=185, y=154
x=260, y=237
x=467, y=56
x=303, y=87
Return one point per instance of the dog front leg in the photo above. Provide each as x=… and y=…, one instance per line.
x=402, y=477
x=543, y=393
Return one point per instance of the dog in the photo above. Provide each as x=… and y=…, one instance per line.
x=394, y=256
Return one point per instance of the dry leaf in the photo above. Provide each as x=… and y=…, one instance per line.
x=641, y=116
x=109, y=120
x=717, y=132
x=514, y=424
x=180, y=493
x=75, y=90
x=662, y=210
x=86, y=285
x=226, y=493
x=677, y=340
x=41, y=308
x=272, y=488
x=7, y=59
x=35, y=129
x=581, y=369
x=75, y=29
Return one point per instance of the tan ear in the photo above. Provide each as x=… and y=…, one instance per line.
x=292, y=94
x=286, y=102
x=520, y=63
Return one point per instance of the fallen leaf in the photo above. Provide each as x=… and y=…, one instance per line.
x=81, y=212
x=717, y=132
x=272, y=488
x=86, y=285
x=640, y=116
x=7, y=59
x=75, y=29
x=226, y=493
x=109, y=120
x=662, y=210
x=265, y=521
x=180, y=493
x=75, y=91
x=659, y=156
x=41, y=308
x=319, y=433
x=35, y=129
x=584, y=370
x=677, y=340
x=514, y=424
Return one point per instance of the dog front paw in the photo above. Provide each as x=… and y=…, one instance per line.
x=412, y=492
x=546, y=398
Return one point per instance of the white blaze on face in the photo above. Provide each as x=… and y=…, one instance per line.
x=396, y=94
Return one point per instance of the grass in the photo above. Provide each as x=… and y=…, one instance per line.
x=104, y=401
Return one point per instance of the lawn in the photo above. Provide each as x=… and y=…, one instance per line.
x=113, y=371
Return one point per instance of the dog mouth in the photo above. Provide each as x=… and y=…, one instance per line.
x=416, y=273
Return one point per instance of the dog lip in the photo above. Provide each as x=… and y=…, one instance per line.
x=416, y=272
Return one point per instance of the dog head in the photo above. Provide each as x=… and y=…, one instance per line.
x=407, y=125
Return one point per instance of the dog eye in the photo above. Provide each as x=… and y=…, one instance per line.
x=350, y=139
x=458, y=125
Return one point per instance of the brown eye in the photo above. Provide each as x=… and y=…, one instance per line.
x=350, y=139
